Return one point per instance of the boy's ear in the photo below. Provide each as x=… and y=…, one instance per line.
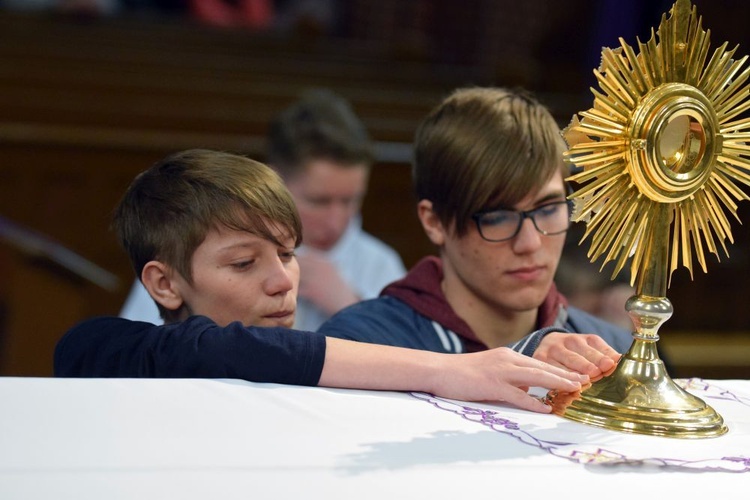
x=158, y=279
x=431, y=222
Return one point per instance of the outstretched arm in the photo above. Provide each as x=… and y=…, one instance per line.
x=496, y=375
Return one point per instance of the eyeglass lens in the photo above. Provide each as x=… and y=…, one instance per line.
x=499, y=225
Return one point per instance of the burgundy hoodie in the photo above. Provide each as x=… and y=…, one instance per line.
x=421, y=290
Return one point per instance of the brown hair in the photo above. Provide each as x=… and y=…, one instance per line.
x=167, y=211
x=320, y=126
x=484, y=148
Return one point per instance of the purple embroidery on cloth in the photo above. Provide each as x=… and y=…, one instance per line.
x=589, y=454
x=711, y=391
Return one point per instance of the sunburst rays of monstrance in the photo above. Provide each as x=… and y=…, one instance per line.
x=662, y=155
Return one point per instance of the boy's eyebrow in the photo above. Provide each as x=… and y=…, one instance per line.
x=556, y=195
x=553, y=196
x=252, y=244
x=237, y=246
x=242, y=243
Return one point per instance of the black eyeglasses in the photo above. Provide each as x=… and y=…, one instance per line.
x=501, y=225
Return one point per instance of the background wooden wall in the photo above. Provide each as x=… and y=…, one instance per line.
x=85, y=104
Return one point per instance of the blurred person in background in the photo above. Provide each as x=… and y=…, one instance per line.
x=324, y=154
x=591, y=289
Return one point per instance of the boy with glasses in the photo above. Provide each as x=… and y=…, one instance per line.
x=489, y=177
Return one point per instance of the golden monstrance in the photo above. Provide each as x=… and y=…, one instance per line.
x=662, y=154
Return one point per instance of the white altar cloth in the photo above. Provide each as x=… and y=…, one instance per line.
x=183, y=438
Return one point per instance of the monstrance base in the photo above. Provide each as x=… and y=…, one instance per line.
x=640, y=397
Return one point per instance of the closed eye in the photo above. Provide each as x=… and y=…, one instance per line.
x=243, y=264
x=549, y=209
x=498, y=217
x=287, y=255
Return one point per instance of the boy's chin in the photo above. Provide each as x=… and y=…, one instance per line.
x=284, y=322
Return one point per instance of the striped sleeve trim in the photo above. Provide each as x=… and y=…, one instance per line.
x=448, y=339
x=530, y=342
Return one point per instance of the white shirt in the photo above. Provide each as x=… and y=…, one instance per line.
x=365, y=263
x=139, y=305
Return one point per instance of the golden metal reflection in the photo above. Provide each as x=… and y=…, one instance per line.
x=663, y=153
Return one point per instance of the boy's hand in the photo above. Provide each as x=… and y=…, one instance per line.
x=584, y=353
x=502, y=374
x=321, y=284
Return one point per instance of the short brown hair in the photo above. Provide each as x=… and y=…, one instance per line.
x=167, y=211
x=321, y=125
x=484, y=148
